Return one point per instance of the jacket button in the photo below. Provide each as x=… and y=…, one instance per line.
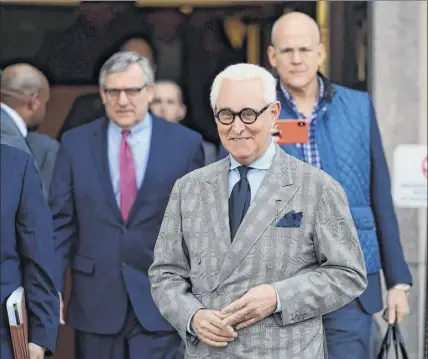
x=198, y=260
x=270, y=265
x=214, y=294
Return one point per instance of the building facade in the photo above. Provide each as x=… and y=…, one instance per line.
x=398, y=83
x=379, y=46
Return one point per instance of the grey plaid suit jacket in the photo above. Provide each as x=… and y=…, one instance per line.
x=316, y=268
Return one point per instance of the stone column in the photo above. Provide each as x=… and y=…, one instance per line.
x=398, y=84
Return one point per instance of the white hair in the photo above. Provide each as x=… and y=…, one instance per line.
x=245, y=71
x=120, y=61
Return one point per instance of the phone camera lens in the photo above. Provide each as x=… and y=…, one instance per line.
x=301, y=124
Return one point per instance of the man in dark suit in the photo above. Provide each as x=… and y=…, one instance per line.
x=24, y=95
x=27, y=257
x=111, y=185
x=89, y=107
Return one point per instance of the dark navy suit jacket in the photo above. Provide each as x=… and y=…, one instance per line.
x=27, y=256
x=109, y=259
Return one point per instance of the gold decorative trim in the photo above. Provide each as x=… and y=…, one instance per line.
x=253, y=44
x=142, y=3
x=323, y=23
x=236, y=31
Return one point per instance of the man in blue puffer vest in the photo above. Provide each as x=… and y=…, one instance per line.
x=344, y=141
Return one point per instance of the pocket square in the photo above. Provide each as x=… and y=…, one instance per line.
x=290, y=219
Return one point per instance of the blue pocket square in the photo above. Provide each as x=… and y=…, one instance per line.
x=290, y=219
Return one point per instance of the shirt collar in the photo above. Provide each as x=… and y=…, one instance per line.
x=263, y=163
x=138, y=128
x=17, y=119
x=290, y=99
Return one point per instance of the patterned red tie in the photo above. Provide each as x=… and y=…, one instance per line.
x=127, y=182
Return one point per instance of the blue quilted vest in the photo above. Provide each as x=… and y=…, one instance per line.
x=343, y=141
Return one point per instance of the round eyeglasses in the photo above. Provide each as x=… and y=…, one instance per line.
x=247, y=115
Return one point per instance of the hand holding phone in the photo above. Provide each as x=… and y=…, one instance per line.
x=291, y=131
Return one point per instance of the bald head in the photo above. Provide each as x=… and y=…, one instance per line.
x=295, y=23
x=25, y=89
x=296, y=52
x=23, y=79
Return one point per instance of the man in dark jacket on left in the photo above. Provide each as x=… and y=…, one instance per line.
x=26, y=253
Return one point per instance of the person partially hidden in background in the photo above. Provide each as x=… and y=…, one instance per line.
x=168, y=103
x=71, y=55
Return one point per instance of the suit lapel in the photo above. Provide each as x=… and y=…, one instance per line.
x=216, y=207
x=100, y=157
x=274, y=194
x=36, y=149
x=11, y=135
x=293, y=150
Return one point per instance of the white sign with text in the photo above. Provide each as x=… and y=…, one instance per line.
x=409, y=178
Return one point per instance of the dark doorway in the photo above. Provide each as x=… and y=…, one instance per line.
x=348, y=43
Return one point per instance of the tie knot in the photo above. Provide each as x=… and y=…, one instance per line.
x=243, y=171
x=125, y=133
